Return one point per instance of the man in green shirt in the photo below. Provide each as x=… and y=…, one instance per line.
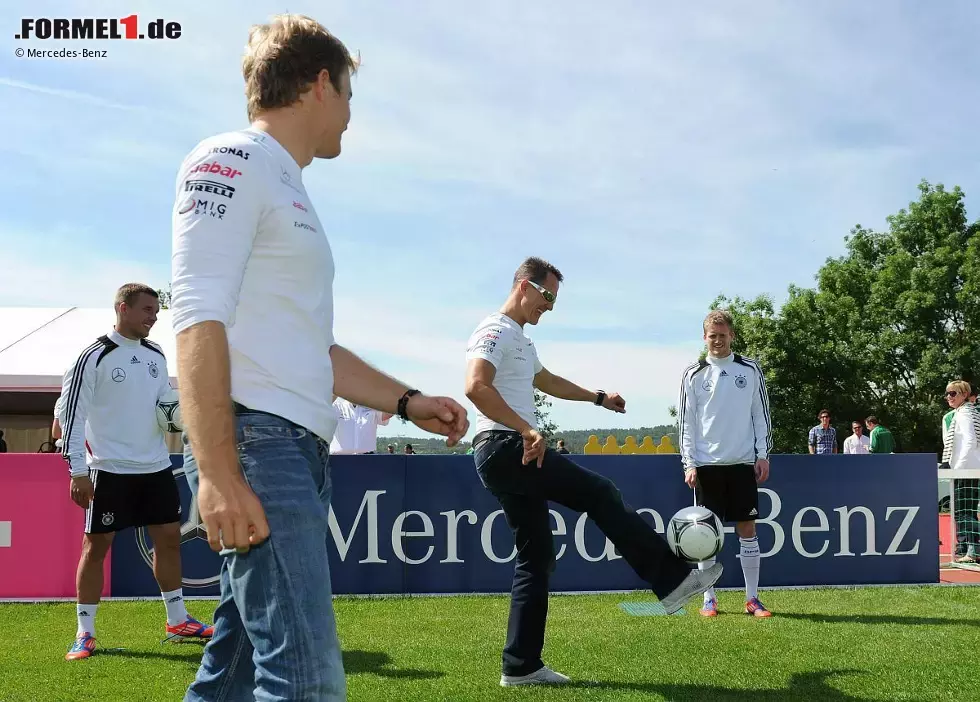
x=882, y=440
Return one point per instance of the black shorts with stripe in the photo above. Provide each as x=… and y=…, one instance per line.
x=132, y=500
x=731, y=491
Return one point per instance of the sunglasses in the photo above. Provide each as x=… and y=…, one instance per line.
x=951, y=393
x=546, y=294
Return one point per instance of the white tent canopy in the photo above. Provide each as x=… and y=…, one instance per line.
x=38, y=344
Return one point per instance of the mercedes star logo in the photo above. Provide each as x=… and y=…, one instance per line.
x=190, y=530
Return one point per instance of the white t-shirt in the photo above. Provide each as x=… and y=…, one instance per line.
x=854, y=446
x=500, y=340
x=108, y=408
x=250, y=252
x=357, y=429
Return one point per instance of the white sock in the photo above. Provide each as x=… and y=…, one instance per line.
x=176, y=612
x=86, y=619
x=709, y=594
x=749, y=553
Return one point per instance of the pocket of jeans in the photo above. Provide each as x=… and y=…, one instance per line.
x=250, y=433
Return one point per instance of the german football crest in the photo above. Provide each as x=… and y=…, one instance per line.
x=154, y=371
x=740, y=381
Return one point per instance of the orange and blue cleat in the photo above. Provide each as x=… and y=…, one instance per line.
x=756, y=608
x=710, y=608
x=190, y=628
x=83, y=647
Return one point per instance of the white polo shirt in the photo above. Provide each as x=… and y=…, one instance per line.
x=853, y=445
x=357, y=428
x=502, y=341
x=250, y=252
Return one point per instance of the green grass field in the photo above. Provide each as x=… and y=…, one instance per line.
x=863, y=644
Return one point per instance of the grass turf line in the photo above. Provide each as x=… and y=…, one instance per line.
x=864, y=644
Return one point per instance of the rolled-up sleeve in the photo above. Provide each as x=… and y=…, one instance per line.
x=216, y=214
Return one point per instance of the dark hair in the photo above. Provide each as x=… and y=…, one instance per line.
x=823, y=412
x=872, y=419
x=285, y=56
x=857, y=421
x=536, y=270
x=130, y=292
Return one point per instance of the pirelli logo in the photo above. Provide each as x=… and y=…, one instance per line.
x=209, y=186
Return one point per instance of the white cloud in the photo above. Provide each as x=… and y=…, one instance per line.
x=425, y=346
x=658, y=155
x=58, y=271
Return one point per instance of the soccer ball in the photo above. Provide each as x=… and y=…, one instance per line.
x=695, y=534
x=168, y=412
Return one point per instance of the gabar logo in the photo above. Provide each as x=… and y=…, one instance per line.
x=218, y=169
x=95, y=28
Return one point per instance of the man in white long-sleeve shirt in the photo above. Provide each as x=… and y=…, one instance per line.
x=118, y=459
x=961, y=451
x=252, y=277
x=725, y=440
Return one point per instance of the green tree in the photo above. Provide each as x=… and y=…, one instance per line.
x=546, y=427
x=165, y=297
x=888, y=324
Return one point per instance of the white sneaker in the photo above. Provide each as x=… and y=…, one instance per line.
x=541, y=676
x=695, y=583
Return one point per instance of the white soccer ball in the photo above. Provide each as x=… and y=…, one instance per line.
x=168, y=412
x=695, y=534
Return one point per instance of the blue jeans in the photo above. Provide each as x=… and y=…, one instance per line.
x=275, y=636
x=523, y=492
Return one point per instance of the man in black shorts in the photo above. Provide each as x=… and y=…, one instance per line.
x=120, y=467
x=725, y=439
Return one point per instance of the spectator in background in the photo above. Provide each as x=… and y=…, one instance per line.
x=3, y=444
x=391, y=448
x=823, y=437
x=561, y=446
x=357, y=428
x=961, y=451
x=857, y=443
x=409, y=451
x=882, y=440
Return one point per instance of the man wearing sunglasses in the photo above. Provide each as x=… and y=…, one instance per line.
x=516, y=466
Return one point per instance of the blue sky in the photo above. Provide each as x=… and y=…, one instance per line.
x=657, y=154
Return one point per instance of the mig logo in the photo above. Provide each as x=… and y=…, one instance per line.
x=96, y=28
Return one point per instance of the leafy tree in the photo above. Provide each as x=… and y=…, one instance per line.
x=887, y=326
x=546, y=427
x=165, y=297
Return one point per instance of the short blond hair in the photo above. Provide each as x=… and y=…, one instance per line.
x=282, y=58
x=960, y=386
x=719, y=317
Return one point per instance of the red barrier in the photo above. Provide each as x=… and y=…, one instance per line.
x=40, y=528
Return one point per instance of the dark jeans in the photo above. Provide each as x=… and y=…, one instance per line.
x=523, y=493
x=966, y=503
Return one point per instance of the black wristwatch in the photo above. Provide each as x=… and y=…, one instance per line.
x=403, y=404
x=600, y=398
